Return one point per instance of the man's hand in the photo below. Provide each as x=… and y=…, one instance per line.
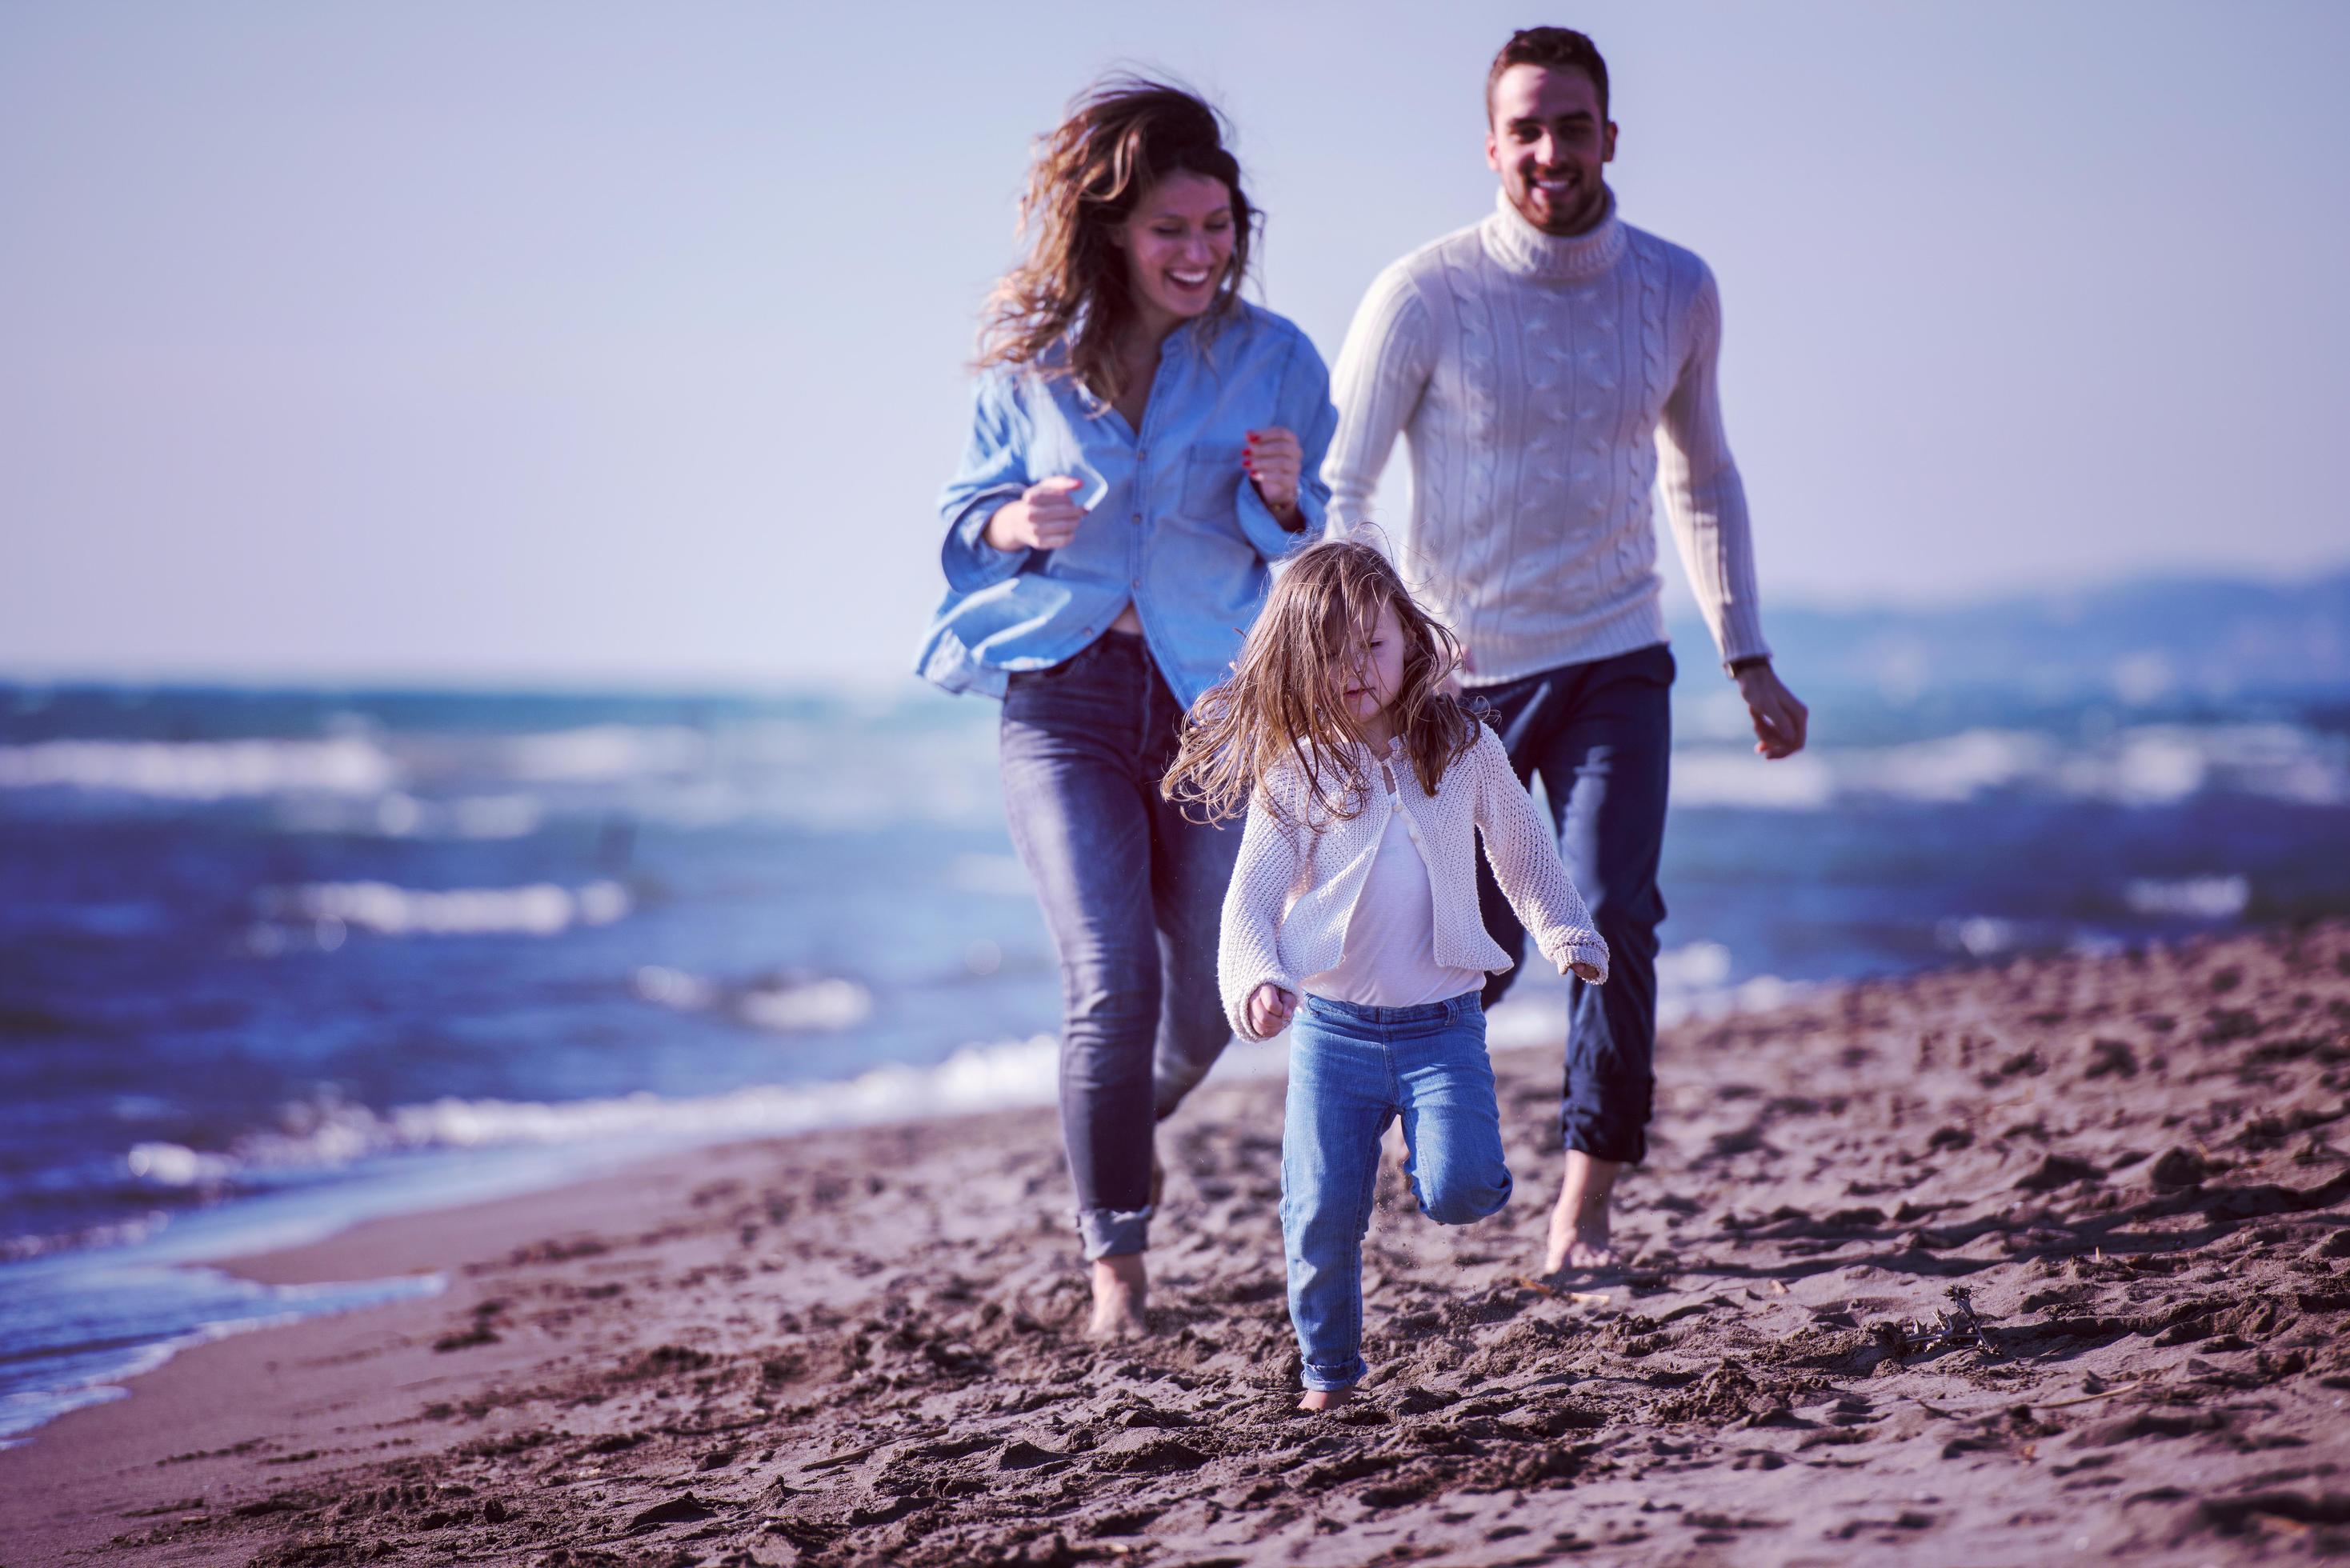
x=1270, y=1009
x=1046, y=517
x=1779, y=721
x=1273, y=461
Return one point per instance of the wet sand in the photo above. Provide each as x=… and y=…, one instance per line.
x=2043, y=1262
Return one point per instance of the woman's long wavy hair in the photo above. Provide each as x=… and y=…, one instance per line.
x=1122, y=135
x=1285, y=701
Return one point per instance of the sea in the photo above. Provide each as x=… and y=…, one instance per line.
x=273, y=960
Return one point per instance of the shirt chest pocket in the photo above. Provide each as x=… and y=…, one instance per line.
x=1212, y=482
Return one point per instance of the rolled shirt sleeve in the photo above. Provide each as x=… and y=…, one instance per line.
x=1302, y=407
x=994, y=469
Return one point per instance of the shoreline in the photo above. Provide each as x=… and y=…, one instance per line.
x=857, y=1345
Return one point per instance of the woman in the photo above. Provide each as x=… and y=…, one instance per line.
x=1144, y=443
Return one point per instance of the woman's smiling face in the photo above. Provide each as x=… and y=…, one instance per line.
x=1179, y=244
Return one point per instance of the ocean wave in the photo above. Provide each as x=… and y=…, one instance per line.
x=88, y=1238
x=57, y=1367
x=331, y=1134
x=789, y=1003
x=399, y=815
x=1693, y=984
x=2139, y=765
x=539, y=909
x=604, y=753
x=201, y=770
x=2189, y=898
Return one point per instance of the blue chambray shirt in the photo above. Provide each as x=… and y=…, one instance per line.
x=1172, y=523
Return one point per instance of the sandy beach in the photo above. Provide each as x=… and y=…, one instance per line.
x=2040, y=1262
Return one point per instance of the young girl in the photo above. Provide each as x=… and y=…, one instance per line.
x=1353, y=913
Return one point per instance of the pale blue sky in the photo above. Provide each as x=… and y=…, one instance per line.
x=583, y=342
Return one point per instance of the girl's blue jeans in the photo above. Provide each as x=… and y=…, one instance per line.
x=1353, y=1070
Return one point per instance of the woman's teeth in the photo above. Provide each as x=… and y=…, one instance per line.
x=1188, y=279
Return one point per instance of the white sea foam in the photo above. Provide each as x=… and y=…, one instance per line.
x=787, y=1005
x=1693, y=983
x=539, y=909
x=605, y=753
x=2191, y=897
x=1979, y=936
x=978, y=1077
x=201, y=770
x=1717, y=776
x=2137, y=765
x=817, y=1004
x=224, y=1306
x=176, y=1165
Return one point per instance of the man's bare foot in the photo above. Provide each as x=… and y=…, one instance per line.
x=1121, y=1290
x=1578, y=1223
x=1326, y=1398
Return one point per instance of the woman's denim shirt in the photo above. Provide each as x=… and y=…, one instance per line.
x=1172, y=524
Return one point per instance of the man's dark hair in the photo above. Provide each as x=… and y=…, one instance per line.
x=1553, y=49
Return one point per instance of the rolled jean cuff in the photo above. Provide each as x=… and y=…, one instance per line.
x=1611, y=1138
x=1111, y=1232
x=1330, y=1377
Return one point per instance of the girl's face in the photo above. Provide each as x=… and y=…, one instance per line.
x=1373, y=672
x=1179, y=244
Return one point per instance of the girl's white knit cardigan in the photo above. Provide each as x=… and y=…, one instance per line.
x=1300, y=871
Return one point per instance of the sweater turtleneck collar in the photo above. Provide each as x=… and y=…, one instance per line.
x=1520, y=248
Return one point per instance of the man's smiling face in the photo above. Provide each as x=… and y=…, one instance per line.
x=1548, y=139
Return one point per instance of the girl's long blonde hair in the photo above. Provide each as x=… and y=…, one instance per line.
x=1284, y=705
x=1122, y=135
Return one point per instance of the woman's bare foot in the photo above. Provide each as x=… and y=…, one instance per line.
x=1121, y=1292
x=1326, y=1398
x=1578, y=1223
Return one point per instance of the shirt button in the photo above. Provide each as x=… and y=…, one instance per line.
x=1141, y=453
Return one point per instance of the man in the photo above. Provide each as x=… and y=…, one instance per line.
x=1551, y=366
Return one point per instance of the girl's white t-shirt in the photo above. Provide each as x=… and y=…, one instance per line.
x=1390, y=956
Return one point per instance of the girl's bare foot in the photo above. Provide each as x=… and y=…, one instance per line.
x=1121, y=1292
x=1578, y=1223
x=1326, y=1398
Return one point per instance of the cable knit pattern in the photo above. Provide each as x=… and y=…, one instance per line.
x=1293, y=893
x=1547, y=388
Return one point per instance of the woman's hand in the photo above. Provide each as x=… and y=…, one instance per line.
x=1046, y=517
x=1587, y=973
x=1269, y=1009
x=1273, y=461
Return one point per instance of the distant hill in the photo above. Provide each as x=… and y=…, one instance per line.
x=2158, y=641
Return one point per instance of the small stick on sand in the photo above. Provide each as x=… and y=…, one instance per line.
x=1580, y=1298
x=2084, y=1398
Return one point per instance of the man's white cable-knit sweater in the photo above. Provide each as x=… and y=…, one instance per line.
x=1301, y=868
x=1546, y=386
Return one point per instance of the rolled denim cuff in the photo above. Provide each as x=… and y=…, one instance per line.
x=1328, y=1377
x=1113, y=1232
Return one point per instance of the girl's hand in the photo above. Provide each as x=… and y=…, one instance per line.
x=1273, y=461
x=1046, y=517
x=1589, y=972
x=1270, y=1009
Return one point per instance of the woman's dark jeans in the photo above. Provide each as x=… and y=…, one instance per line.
x=1132, y=896
x=1600, y=736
